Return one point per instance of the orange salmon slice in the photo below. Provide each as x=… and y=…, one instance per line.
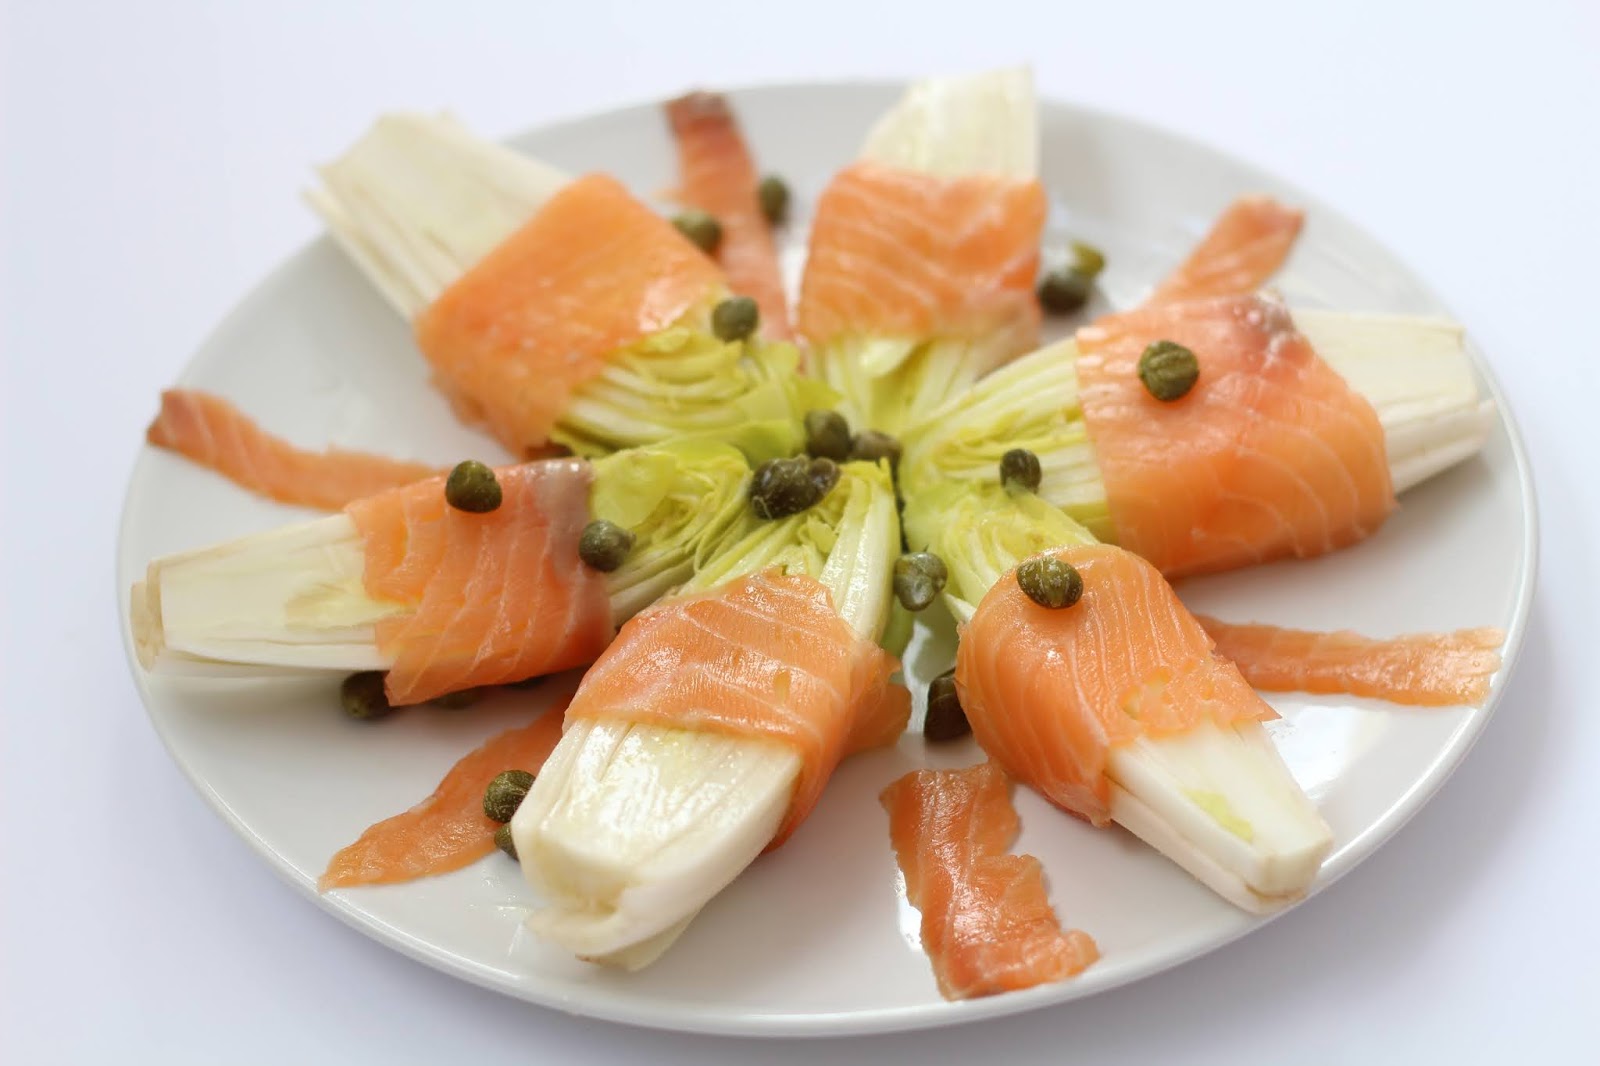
x=717, y=174
x=1422, y=669
x=592, y=272
x=215, y=434
x=1270, y=454
x=448, y=830
x=987, y=923
x=1050, y=693
x=493, y=598
x=1244, y=248
x=898, y=253
x=765, y=655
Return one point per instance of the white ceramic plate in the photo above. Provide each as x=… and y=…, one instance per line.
x=816, y=938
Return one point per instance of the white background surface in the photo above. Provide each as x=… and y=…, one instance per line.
x=151, y=158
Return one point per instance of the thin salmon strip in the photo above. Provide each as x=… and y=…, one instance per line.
x=987, y=923
x=212, y=432
x=765, y=655
x=1422, y=669
x=492, y=598
x=1050, y=693
x=903, y=254
x=1245, y=247
x=1271, y=454
x=717, y=174
x=593, y=271
x=448, y=830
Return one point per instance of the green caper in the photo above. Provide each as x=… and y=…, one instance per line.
x=505, y=793
x=1168, y=370
x=454, y=701
x=782, y=487
x=1087, y=259
x=735, y=318
x=919, y=577
x=1064, y=290
x=702, y=229
x=944, y=720
x=604, y=545
x=472, y=487
x=774, y=195
x=503, y=841
x=872, y=445
x=362, y=695
x=827, y=435
x=1049, y=582
x=1019, y=469
x=824, y=475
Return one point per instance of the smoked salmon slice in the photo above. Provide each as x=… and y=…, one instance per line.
x=1422, y=669
x=212, y=432
x=987, y=923
x=717, y=174
x=490, y=598
x=1271, y=454
x=593, y=271
x=902, y=254
x=766, y=655
x=1050, y=693
x=1244, y=248
x=448, y=830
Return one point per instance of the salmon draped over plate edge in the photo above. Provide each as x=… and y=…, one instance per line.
x=1050, y=693
x=592, y=272
x=1245, y=246
x=717, y=175
x=898, y=253
x=1271, y=453
x=765, y=655
x=987, y=924
x=493, y=598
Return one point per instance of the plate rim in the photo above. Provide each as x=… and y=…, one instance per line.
x=931, y=1015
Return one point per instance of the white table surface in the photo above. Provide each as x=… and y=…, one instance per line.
x=152, y=154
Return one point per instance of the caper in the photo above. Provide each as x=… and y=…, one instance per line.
x=454, y=701
x=1049, y=582
x=944, y=720
x=735, y=318
x=872, y=445
x=702, y=229
x=824, y=475
x=1087, y=259
x=505, y=793
x=919, y=577
x=827, y=435
x=503, y=841
x=362, y=695
x=472, y=487
x=1168, y=370
x=774, y=195
x=1019, y=469
x=782, y=487
x=604, y=545
x=1064, y=290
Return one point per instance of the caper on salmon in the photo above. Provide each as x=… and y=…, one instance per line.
x=945, y=720
x=362, y=695
x=472, y=487
x=919, y=577
x=1050, y=582
x=827, y=435
x=1020, y=470
x=701, y=228
x=604, y=545
x=503, y=841
x=1168, y=370
x=782, y=487
x=505, y=794
x=735, y=318
x=1064, y=290
x=872, y=445
x=773, y=192
x=1087, y=259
